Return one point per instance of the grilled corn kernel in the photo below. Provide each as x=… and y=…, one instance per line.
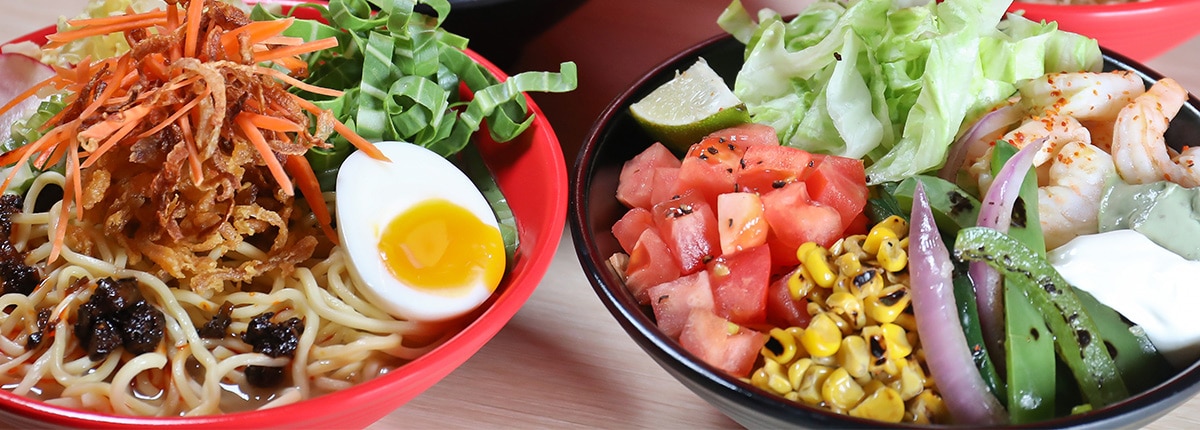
x=787, y=345
x=883, y=405
x=896, y=224
x=842, y=322
x=847, y=264
x=848, y=306
x=822, y=338
x=888, y=305
x=815, y=259
x=854, y=357
x=776, y=380
x=883, y=364
x=873, y=386
x=876, y=237
x=891, y=256
x=840, y=390
x=799, y=283
x=797, y=370
x=927, y=408
x=897, y=341
x=853, y=245
x=906, y=320
x=810, y=384
x=830, y=361
x=760, y=378
x=910, y=383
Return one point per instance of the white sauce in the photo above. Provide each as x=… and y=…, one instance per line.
x=1148, y=284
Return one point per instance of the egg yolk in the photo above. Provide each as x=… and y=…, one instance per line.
x=437, y=245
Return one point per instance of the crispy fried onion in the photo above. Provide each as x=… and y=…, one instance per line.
x=184, y=149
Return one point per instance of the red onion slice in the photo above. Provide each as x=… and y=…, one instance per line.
x=975, y=139
x=946, y=351
x=995, y=212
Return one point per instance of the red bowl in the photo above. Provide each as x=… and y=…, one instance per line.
x=532, y=174
x=1139, y=30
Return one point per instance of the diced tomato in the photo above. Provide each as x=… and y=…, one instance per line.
x=650, y=264
x=630, y=227
x=766, y=167
x=740, y=222
x=720, y=343
x=664, y=184
x=747, y=134
x=740, y=285
x=794, y=219
x=840, y=183
x=708, y=169
x=673, y=301
x=637, y=175
x=689, y=227
x=782, y=309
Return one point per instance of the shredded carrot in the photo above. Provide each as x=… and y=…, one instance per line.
x=260, y=143
x=310, y=188
x=116, y=102
x=59, y=39
x=155, y=65
x=271, y=123
x=192, y=37
x=283, y=40
x=294, y=65
x=356, y=140
x=24, y=95
x=114, y=123
x=127, y=124
x=177, y=115
x=114, y=82
x=300, y=84
x=197, y=171
x=289, y=51
x=257, y=31
x=172, y=17
x=117, y=19
x=25, y=152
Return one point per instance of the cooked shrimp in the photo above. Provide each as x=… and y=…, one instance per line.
x=1057, y=130
x=1139, y=148
x=1086, y=96
x=1069, y=204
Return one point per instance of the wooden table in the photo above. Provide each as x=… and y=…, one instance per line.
x=563, y=362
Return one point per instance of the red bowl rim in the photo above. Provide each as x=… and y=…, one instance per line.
x=1113, y=8
x=513, y=292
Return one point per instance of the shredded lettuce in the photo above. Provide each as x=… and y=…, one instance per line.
x=401, y=73
x=892, y=82
x=101, y=46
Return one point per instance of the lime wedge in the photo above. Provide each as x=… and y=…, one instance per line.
x=688, y=107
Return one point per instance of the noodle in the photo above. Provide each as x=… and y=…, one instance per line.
x=345, y=340
x=179, y=275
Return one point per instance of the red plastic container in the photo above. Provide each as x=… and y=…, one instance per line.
x=1138, y=30
x=531, y=172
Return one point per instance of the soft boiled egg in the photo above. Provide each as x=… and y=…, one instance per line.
x=422, y=241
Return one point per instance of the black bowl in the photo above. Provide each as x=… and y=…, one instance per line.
x=500, y=29
x=616, y=137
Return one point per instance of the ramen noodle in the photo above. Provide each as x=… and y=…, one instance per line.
x=168, y=269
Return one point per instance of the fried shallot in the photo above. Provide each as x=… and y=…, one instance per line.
x=188, y=147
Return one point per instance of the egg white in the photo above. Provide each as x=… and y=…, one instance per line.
x=371, y=193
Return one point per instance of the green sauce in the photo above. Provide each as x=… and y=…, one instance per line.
x=1166, y=213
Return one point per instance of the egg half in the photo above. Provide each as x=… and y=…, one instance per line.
x=422, y=241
